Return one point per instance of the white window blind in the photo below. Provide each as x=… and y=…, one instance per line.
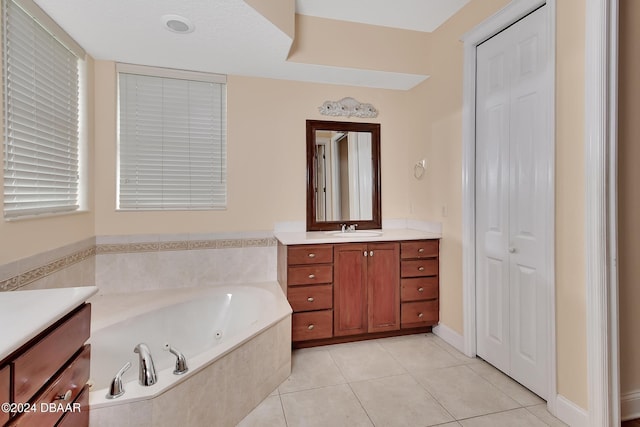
x=172, y=146
x=41, y=81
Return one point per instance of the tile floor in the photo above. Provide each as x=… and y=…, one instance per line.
x=415, y=380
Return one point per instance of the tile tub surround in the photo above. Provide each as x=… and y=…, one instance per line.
x=413, y=380
x=221, y=394
x=138, y=262
x=134, y=263
x=68, y=266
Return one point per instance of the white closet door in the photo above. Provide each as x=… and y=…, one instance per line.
x=512, y=194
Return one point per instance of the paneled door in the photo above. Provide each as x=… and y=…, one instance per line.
x=514, y=201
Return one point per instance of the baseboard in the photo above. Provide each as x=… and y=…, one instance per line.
x=630, y=405
x=570, y=413
x=450, y=336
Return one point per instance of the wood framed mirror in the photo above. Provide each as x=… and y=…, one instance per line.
x=343, y=175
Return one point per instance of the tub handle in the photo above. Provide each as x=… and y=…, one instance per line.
x=181, y=361
x=116, y=389
x=310, y=327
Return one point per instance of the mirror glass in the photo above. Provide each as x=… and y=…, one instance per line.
x=343, y=175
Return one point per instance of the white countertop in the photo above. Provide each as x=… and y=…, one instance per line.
x=24, y=314
x=387, y=235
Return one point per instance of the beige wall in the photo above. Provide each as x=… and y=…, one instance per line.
x=266, y=157
x=347, y=44
x=629, y=196
x=23, y=238
x=266, y=164
x=280, y=12
x=570, y=202
x=440, y=131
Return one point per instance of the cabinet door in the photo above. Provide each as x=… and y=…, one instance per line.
x=349, y=290
x=383, y=280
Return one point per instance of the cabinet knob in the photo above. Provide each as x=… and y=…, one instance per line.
x=421, y=250
x=421, y=268
x=312, y=255
x=65, y=396
x=421, y=289
x=310, y=327
x=420, y=315
x=312, y=276
x=310, y=299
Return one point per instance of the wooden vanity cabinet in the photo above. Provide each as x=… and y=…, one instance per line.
x=51, y=369
x=419, y=283
x=366, y=291
x=351, y=291
x=5, y=389
x=306, y=271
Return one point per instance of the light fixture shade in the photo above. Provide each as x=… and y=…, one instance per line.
x=177, y=24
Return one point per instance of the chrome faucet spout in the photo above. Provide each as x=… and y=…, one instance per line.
x=146, y=369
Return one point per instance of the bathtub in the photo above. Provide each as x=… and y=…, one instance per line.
x=236, y=340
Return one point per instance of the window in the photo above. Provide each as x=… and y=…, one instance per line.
x=41, y=95
x=172, y=140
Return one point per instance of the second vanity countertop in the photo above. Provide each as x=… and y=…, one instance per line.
x=383, y=235
x=24, y=314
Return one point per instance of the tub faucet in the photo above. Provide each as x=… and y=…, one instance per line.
x=181, y=361
x=116, y=389
x=146, y=370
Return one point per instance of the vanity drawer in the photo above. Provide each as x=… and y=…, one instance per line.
x=312, y=325
x=72, y=379
x=310, y=254
x=419, y=288
x=77, y=418
x=306, y=298
x=310, y=275
x=5, y=379
x=420, y=313
x=419, y=267
x=419, y=249
x=34, y=367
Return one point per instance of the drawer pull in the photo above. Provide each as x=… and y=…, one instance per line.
x=310, y=299
x=310, y=327
x=420, y=315
x=65, y=396
x=312, y=276
x=421, y=250
x=312, y=255
x=421, y=268
x=421, y=289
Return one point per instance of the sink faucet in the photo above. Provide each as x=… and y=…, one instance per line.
x=348, y=228
x=146, y=370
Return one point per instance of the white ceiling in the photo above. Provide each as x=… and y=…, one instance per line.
x=230, y=37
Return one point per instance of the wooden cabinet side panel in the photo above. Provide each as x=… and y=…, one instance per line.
x=350, y=290
x=383, y=276
x=5, y=392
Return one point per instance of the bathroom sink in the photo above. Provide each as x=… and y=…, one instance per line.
x=356, y=233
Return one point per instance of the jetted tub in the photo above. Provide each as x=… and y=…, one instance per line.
x=236, y=340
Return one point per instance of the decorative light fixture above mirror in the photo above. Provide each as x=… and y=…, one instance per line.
x=348, y=107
